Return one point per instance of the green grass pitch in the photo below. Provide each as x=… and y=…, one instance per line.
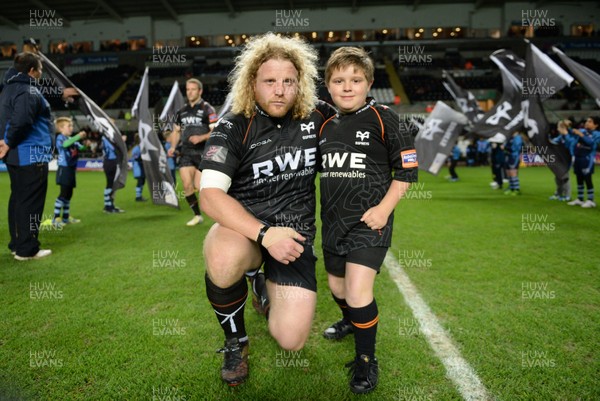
x=119, y=312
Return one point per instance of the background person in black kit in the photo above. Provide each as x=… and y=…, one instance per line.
x=258, y=185
x=360, y=146
x=194, y=122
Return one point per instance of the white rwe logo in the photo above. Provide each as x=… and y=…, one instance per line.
x=307, y=127
x=288, y=161
x=362, y=135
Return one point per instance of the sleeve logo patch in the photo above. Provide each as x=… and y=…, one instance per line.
x=216, y=154
x=409, y=158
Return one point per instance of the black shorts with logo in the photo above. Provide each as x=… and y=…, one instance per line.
x=300, y=273
x=371, y=257
x=190, y=158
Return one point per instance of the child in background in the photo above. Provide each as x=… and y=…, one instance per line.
x=170, y=159
x=68, y=153
x=360, y=147
x=582, y=144
x=513, y=148
x=138, y=170
x=110, y=171
x=454, y=158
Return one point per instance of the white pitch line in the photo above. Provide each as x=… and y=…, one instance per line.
x=457, y=368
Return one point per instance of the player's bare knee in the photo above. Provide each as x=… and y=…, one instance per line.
x=291, y=341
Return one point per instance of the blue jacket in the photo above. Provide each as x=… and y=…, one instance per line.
x=25, y=121
x=109, y=149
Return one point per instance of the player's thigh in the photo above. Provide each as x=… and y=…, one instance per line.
x=228, y=255
x=291, y=312
x=187, y=174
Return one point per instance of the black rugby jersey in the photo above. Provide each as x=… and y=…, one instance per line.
x=195, y=121
x=272, y=163
x=358, y=153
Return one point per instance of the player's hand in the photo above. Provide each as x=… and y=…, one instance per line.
x=82, y=134
x=375, y=218
x=171, y=152
x=195, y=139
x=3, y=148
x=69, y=94
x=281, y=242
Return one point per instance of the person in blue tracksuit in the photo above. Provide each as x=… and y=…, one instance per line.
x=170, y=159
x=68, y=153
x=138, y=171
x=454, y=158
x=582, y=143
x=110, y=170
x=26, y=142
x=512, y=149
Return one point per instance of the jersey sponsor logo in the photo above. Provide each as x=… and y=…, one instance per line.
x=409, y=158
x=226, y=123
x=218, y=134
x=286, y=161
x=216, y=154
x=307, y=127
x=339, y=160
x=362, y=136
x=260, y=143
x=191, y=120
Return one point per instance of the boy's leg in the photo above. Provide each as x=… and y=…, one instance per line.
x=66, y=193
x=362, y=267
x=335, y=265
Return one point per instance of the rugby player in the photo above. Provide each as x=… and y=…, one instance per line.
x=259, y=168
x=360, y=146
x=193, y=125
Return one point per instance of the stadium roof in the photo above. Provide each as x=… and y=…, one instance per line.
x=15, y=13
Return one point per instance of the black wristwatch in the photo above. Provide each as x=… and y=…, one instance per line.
x=261, y=234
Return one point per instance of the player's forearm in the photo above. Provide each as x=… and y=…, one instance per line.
x=229, y=213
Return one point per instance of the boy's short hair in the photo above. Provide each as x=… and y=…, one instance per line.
x=595, y=120
x=347, y=56
x=195, y=81
x=62, y=120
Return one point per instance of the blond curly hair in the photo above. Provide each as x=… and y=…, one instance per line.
x=261, y=49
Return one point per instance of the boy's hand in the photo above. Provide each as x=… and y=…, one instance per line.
x=375, y=218
x=82, y=134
